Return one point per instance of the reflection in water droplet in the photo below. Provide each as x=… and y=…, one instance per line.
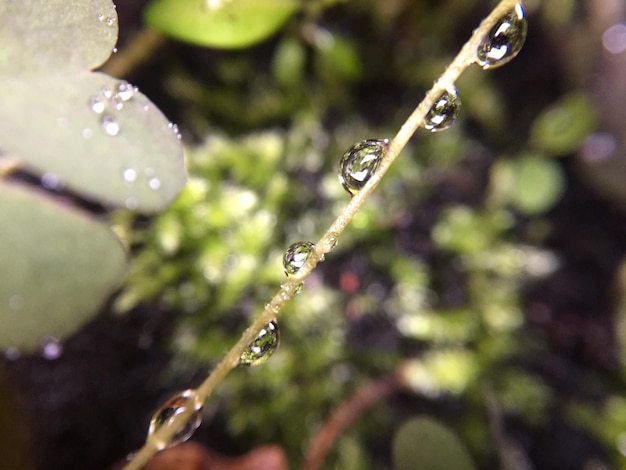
x=129, y=174
x=97, y=104
x=444, y=112
x=51, y=348
x=169, y=410
x=295, y=257
x=131, y=203
x=360, y=162
x=109, y=125
x=154, y=183
x=504, y=41
x=264, y=345
x=52, y=181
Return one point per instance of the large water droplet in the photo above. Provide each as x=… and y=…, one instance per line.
x=109, y=125
x=359, y=163
x=504, y=41
x=169, y=410
x=130, y=175
x=444, y=112
x=264, y=345
x=97, y=104
x=295, y=257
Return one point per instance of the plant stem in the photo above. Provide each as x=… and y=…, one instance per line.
x=464, y=59
x=142, y=46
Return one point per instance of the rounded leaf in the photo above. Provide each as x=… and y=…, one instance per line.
x=538, y=184
x=58, y=266
x=42, y=36
x=111, y=146
x=227, y=24
x=428, y=444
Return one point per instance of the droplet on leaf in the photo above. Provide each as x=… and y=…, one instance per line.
x=295, y=257
x=504, y=41
x=125, y=91
x=97, y=104
x=109, y=125
x=130, y=175
x=444, y=112
x=265, y=344
x=51, y=348
x=169, y=410
x=359, y=163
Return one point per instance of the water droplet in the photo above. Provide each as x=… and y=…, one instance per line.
x=109, y=125
x=169, y=410
x=51, y=348
x=444, y=112
x=11, y=354
x=264, y=345
x=52, y=181
x=114, y=50
x=108, y=20
x=125, y=91
x=154, y=183
x=130, y=175
x=174, y=128
x=87, y=133
x=295, y=257
x=116, y=103
x=360, y=162
x=131, y=203
x=504, y=41
x=146, y=107
x=330, y=242
x=97, y=104
x=106, y=92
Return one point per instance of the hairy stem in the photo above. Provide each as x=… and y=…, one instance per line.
x=464, y=59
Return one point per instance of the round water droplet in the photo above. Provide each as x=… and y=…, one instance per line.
x=504, y=41
x=360, y=162
x=87, y=133
x=154, y=183
x=106, y=92
x=109, y=125
x=295, y=257
x=52, y=181
x=169, y=410
x=125, y=91
x=444, y=112
x=116, y=103
x=131, y=203
x=97, y=104
x=51, y=348
x=265, y=344
x=130, y=175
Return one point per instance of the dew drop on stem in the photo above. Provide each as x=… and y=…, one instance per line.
x=295, y=257
x=169, y=410
x=444, y=112
x=360, y=162
x=263, y=346
x=504, y=41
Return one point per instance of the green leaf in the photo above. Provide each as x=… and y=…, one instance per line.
x=227, y=24
x=41, y=36
x=538, y=184
x=561, y=128
x=423, y=443
x=57, y=268
x=50, y=127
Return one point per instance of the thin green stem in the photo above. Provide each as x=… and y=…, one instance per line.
x=464, y=59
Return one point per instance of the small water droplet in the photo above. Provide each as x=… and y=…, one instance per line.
x=114, y=50
x=504, y=41
x=359, y=163
x=130, y=175
x=109, y=125
x=97, y=104
x=330, y=242
x=169, y=410
x=106, y=92
x=108, y=20
x=264, y=345
x=174, y=128
x=116, y=103
x=295, y=257
x=87, y=133
x=131, y=203
x=51, y=348
x=125, y=91
x=52, y=181
x=444, y=112
x=154, y=183
x=146, y=107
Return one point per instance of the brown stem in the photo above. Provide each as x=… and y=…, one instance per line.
x=344, y=415
x=139, y=50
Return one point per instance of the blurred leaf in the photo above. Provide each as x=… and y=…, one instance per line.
x=562, y=127
x=423, y=443
x=50, y=126
x=40, y=36
x=57, y=268
x=227, y=24
x=337, y=58
x=538, y=183
x=288, y=63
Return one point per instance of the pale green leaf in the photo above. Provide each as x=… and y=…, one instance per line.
x=57, y=267
x=51, y=128
x=42, y=36
x=219, y=23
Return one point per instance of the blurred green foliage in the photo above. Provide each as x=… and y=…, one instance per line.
x=271, y=132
